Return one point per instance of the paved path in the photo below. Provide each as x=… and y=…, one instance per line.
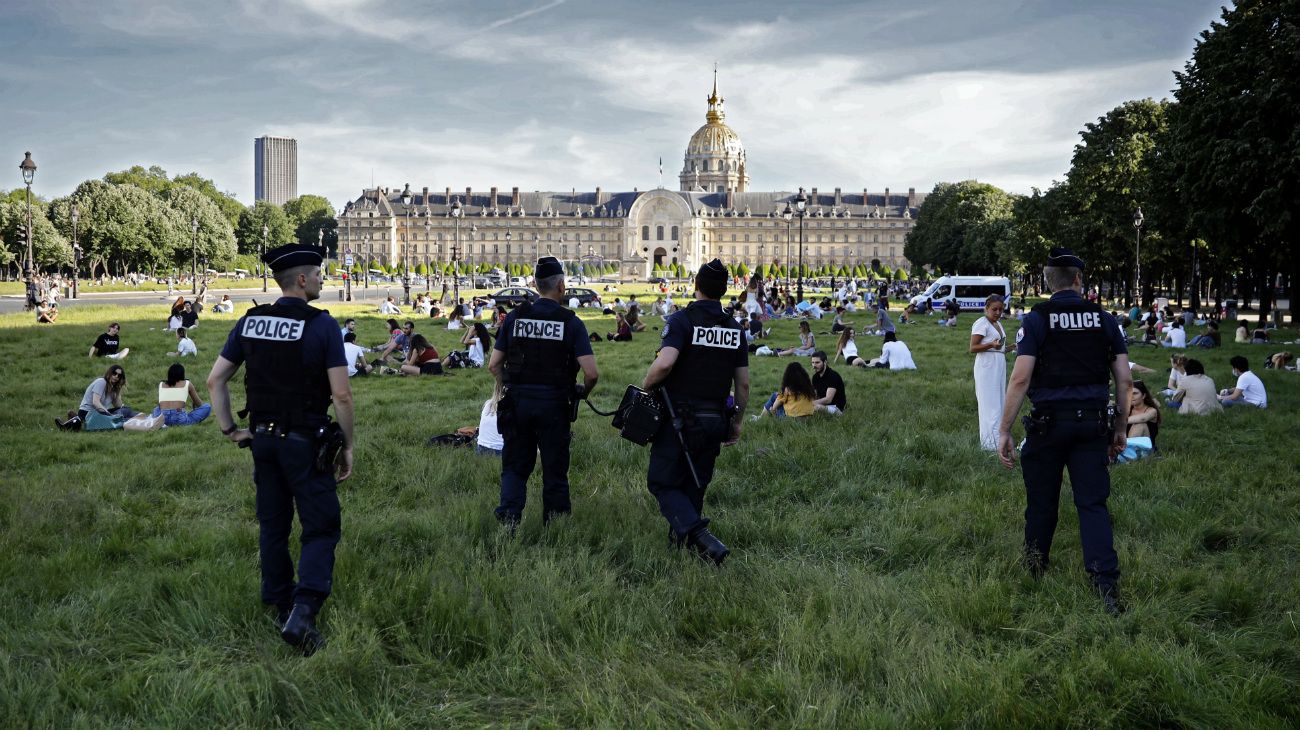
x=330, y=294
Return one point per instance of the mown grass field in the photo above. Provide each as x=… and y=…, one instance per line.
x=874, y=580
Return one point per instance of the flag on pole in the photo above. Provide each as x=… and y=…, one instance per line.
x=661, y=172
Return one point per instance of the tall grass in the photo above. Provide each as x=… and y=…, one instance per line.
x=873, y=583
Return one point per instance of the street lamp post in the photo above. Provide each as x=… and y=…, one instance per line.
x=788, y=215
x=266, y=231
x=76, y=249
x=1137, y=257
x=406, y=234
x=194, y=255
x=455, y=251
x=801, y=207
x=29, y=174
x=428, y=274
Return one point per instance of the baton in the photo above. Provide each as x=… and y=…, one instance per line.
x=681, y=437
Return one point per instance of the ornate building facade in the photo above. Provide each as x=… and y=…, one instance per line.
x=714, y=214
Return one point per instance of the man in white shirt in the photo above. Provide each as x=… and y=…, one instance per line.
x=1249, y=390
x=184, y=345
x=349, y=325
x=355, y=355
x=1177, y=336
x=388, y=306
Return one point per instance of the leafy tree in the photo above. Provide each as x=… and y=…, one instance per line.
x=49, y=247
x=153, y=180
x=215, y=239
x=226, y=202
x=310, y=214
x=962, y=226
x=249, y=231
x=1233, y=139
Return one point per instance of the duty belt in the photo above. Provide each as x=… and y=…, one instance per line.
x=271, y=428
x=1079, y=414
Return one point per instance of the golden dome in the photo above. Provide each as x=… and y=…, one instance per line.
x=715, y=139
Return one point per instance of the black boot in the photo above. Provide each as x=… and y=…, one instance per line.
x=709, y=548
x=300, y=630
x=1110, y=599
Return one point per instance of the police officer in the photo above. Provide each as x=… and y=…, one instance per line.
x=540, y=348
x=701, y=356
x=296, y=367
x=1069, y=349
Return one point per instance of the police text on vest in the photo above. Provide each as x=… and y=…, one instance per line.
x=279, y=329
x=1074, y=320
x=723, y=337
x=539, y=329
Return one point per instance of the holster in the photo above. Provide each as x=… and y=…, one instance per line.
x=1037, y=424
x=506, y=413
x=329, y=442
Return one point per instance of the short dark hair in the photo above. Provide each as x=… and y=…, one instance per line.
x=1239, y=362
x=349, y=320
x=1194, y=367
x=180, y=332
x=891, y=337
x=709, y=287
x=820, y=355
x=350, y=337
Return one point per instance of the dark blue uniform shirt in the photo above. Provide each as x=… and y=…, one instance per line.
x=321, y=345
x=575, y=338
x=677, y=330
x=1029, y=340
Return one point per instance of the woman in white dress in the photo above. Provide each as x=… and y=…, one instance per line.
x=987, y=342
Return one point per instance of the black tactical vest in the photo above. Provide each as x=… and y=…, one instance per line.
x=706, y=366
x=1076, y=349
x=538, y=353
x=276, y=383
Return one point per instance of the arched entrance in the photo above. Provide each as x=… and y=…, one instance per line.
x=660, y=255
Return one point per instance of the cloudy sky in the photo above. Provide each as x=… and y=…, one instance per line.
x=560, y=94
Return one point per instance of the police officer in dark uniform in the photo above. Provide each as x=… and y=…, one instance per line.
x=540, y=348
x=701, y=356
x=296, y=368
x=1069, y=349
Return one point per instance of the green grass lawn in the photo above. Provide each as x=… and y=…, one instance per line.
x=874, y=580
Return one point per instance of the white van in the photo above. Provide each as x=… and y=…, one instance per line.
x=969, y=291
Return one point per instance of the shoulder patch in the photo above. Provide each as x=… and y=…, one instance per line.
x=1020, y=334
x=664, y=332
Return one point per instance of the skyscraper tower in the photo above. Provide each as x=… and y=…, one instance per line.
x=275, y=169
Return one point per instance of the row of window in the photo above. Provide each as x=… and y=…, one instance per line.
x=809, y=224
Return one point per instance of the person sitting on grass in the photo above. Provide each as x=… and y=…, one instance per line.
x=634, y=318
x=795, y=399
x=399, y=342
x=1259, y=336
x=189, y=317
x=106, y=345
x=847, y=347
x=1209, y=338
x=1243, y=331
x=456, y=320
x=1279, y=361
x=1249, y=390
x=225, y=306
x=388, y=306
x=47, y=313
x=421, y=360
x=1196, y=395
x=355, y=355
x=479, y=342
x=184, y=345
x=489, y=441
x=807, y=343
x=827, y=385
x=1176, y=337
x=883, y=322
x=839, y=325
x=1143, y=412
x=172, y=394
x=103, y=395
x=1177, y=370
x=623, y=330
x=894, y=354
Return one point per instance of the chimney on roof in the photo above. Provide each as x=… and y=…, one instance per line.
x=911, y=197
x=731, y=199
x=446, y=196
x=425, y=196
x=864, y=197
x=886, y=200
x=812, y=197
x=492, y=198
x=469, y=192
x=837, y=197
x=599, y=201
x=514, y=197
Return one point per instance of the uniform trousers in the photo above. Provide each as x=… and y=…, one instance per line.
x=284, y=469
x=681, y=501
x=538, y=423
x=1081, y=447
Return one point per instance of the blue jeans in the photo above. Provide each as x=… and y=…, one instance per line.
x=780, y=410
x=179, y=417
x=1237, y=402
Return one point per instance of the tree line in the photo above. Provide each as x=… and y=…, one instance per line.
x=1214, y=172
x=141, y=220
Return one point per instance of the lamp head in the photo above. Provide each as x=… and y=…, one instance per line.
x=76, y=214
x=1137, y=217
x=29, y=169
x=194, y=224
x=406, y=195
x=455, y=208
x=801, y=201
